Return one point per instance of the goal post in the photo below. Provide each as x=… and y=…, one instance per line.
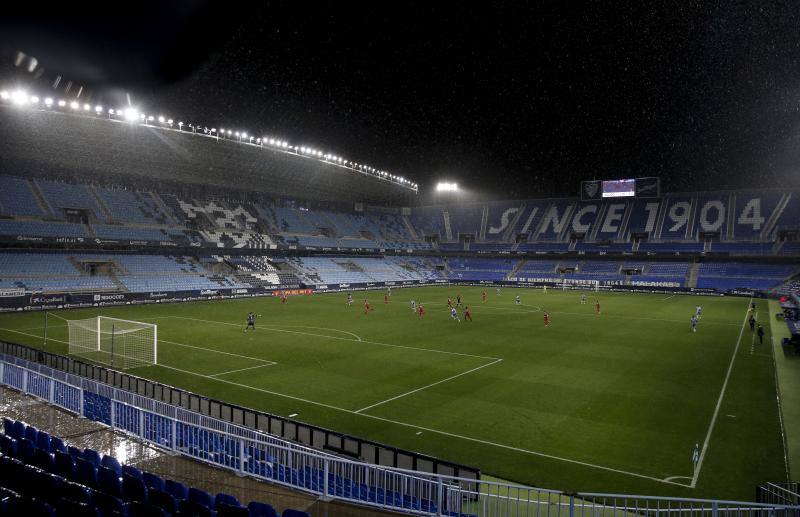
x=113, y=341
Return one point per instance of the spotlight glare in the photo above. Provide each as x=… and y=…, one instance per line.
x=19, y=97
x=48, y=101
x=446, y=187
x=87, y=107
x=98, y=108
x=74, y=105
x=131, y=114
x=34, y=99
x=62, y=103
x=169, y=121
x=110, y=111
x=4, y=95
x=160, y=119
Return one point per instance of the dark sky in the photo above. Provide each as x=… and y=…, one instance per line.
x=511, y=100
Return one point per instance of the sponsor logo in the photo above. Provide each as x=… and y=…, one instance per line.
x=69, y=239
x=390, y=283
x=8, y=293
x=194, y=244
x=101, y=241
x=322, y=287
x=138, y=243
x=26, y=238
x=108, y=297
x=344, y=285
x=167, y=243
x=158, y=295
x=42, y=298
x=238, y=291
x=591, y=188
x=209, y=292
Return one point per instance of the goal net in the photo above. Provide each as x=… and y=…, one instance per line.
x=115, y=342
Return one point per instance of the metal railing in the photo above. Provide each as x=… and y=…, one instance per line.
x=251, y=452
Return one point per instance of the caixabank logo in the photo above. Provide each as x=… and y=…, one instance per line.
x=108, y=297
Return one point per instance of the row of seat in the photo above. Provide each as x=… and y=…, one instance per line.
x=41, y=475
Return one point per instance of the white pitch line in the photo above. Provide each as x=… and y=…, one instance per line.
x=448, y=352
x=413, y=426
x=699, y=465
x=662, y=299
x=426, y=387
x=270, y=363
x=606, y=315
x=436, y=431
x=241, y=370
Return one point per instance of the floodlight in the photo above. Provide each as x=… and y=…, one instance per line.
x=34, y=99
x=87, y=107
x=151, y=118
x=48, y=101
x=160, y=119
x=74, y=105
x=110, y=111
x=4, y=95
x=98, y=108
x=19, y=97
x=169, y=121
x=131, y=114
x=62, y=103
x=446, y=187
x=244, y=135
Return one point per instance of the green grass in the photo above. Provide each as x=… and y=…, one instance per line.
x=612, y=402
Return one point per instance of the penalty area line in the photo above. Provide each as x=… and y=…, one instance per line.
x=426, y=386
x=240, y=370
x=430, y=430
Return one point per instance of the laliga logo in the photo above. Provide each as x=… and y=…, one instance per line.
x=591, y=188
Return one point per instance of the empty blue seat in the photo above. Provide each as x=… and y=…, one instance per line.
x=132, y=471
x=133, y=489
x=230, y=510
x=156, y=497
x=18, y=429
x=261, y=510
x=194, y=509
x=153, y=481
x=223, y=498
x=7, y=425
x=294, y=513
x=43, y=441
x=110, y=462
x=26, y=450
x=202, y=497
x=57, y=444
x=8, y=445
x=92, y=456
x=63, y=464
x=176, y=489
x=44, y=460
x=30, y=507
x=109, y=482
x=85, y=472
x=74, y=452
x=31, y=433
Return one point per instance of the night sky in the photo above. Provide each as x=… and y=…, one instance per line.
x=512, y=101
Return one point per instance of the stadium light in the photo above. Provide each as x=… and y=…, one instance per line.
x=74, y=105
x=4, y=95
x=161, y=119
x=131, y=114
x=447, y=187
x=48, y=101
x=87, y=107
x=34, y=99
x=19, y=97
x=98, y=108
x=169, y=121
x=110, y=111
x=62, y=103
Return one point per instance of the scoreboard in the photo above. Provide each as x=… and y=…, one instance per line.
x=639, y=187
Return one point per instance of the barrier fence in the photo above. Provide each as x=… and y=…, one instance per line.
x=258, y=454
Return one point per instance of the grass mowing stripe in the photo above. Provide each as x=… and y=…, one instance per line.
x=241, y=370
x=699, y=465
x=427, y=386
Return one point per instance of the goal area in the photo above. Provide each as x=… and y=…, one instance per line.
x=115, y=342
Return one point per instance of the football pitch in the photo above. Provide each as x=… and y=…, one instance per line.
x=613, y=402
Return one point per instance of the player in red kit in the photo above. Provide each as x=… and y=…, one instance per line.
x=283, y=297
x=597, y=306
x=421, y=311
x=449, y=303
x=483, y=294
x=467, y=314
x=386, y=299
x=367, y=306
x=546, y=319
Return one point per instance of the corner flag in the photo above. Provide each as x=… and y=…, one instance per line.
x=696, y=454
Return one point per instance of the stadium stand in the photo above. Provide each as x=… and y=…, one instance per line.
x=41, y=474
x=16, y=198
